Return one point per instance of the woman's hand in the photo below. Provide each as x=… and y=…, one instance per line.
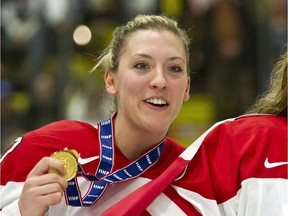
x=42, y=189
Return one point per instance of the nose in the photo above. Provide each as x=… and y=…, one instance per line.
x=158, y=79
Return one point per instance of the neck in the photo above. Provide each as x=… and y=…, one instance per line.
x=133, y=142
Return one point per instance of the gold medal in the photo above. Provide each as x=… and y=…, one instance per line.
x=69, y=159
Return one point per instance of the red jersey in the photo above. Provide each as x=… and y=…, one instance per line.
x=27, y=150
x=241, y=167
x=237, y=167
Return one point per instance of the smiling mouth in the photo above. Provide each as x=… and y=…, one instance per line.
x=157, y=102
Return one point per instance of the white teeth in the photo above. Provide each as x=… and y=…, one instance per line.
x=156, y=101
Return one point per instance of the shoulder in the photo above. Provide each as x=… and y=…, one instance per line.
x=171, y=151
x=238, y=138
x=42, y=142
x=174, y=146
x=62, y=131
x=259, y=121
x=64, y=126
x=248, y=141
x=250, y=125
x=54, y=137
x=70, y=134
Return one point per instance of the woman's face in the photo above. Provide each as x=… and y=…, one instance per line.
x=151, y=81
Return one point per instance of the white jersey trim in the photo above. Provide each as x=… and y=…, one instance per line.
x=259, y=197
x=206, y=207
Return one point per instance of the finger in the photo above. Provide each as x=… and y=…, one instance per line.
x=51, y=199
x=43, y=165
x=46, y=179
x=46, y=189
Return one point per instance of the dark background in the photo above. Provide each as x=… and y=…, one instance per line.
x=45, y=74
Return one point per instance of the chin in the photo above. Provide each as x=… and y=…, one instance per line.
x=157, y=128
x=156, y=123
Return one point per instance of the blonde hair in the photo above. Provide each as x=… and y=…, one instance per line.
x=274, y=101
x=109, y=59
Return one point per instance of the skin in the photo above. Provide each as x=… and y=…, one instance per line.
x=152, y=66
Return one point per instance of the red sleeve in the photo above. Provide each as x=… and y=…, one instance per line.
x=23, y=155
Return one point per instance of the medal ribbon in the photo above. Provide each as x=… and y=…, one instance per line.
x=104, y=176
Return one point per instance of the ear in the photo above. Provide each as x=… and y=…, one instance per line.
x=110, y=83
x=187, y=91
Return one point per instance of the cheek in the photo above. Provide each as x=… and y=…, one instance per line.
x=179, y=89
x=131, y=84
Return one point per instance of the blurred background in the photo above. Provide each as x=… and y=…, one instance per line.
x=48, y=48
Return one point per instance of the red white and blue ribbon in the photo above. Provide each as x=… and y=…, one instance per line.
x=104, y=175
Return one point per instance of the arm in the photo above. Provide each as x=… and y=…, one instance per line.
x=40, y=190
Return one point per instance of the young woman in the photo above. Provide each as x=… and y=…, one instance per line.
x=146, y=69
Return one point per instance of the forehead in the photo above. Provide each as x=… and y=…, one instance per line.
x=151, y=40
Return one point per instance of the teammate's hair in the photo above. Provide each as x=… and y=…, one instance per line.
x=274, y=101
x=109, y=59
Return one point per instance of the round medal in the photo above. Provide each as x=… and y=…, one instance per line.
x=68, y=158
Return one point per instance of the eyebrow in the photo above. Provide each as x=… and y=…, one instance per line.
x=175, y=58
x=142, y=55
x=149, y=57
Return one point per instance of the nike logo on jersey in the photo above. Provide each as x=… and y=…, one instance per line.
x=268, y=164
x=87, y=160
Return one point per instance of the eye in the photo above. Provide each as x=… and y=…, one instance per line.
x=141, y=66
x=175, y=69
